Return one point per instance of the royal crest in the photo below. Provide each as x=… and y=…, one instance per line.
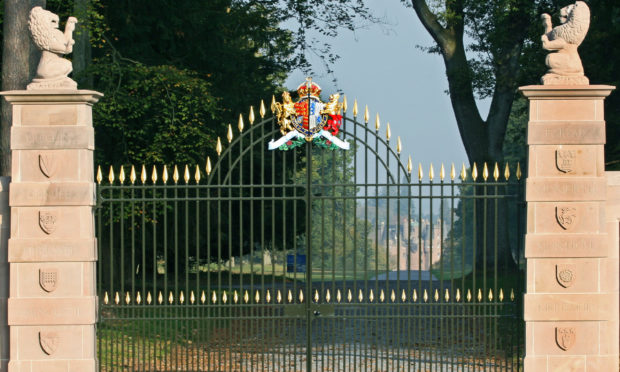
x=309, y=119
x=49, y=342
x=565, y=160
x=566, y=216
x=565, y=337
x=47, y=164
x=565, y=274
x=48, y=220
x=48, y=279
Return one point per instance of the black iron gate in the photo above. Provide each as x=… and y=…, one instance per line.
x=311, y=259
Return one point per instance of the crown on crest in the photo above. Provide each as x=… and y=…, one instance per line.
x=309, y=86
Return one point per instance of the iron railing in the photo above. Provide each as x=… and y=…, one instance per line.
x=310, y=259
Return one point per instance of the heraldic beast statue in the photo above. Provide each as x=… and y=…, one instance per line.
x=53, y=70
x=562, y=41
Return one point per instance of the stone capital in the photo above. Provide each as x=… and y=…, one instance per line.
x=539, y=92
x=51, y=96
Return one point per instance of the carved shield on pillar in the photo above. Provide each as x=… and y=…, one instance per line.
x=48, y=279
x=48, y=221
x=47, y=164
x=49, y=342
x=566, y=216
x=565, y=160
x=565, y=274
x=565, y=337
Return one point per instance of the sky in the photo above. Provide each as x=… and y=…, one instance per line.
x=382, y=68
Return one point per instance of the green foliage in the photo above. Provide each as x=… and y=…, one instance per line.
x=157, y=115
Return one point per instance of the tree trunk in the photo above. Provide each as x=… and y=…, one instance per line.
x=20, y=58
x=81, y=50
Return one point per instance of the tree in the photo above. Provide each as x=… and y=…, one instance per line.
x=19, y=62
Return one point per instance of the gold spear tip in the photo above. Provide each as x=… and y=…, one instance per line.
x=262, y=109
x=143, y=174
x=154, y=174
x=366, y=115
x=485, y=171
x=273, y=103
x=240, y=125
x=388, y=131
x=229, y=135
x=111, y=175
x=197, y=174
x=208, y=166
x=132, y=174
x=452, y=172
x=175, y=174
x=164, y=174
x=496, y=172
x=355, y=108
x=99, y=176
x=399, y=145
x=420, y=172
x=409, y=165
x=506, y=172
x=344, y=103
x=186, y=174
x=519, y=171
x=251, y=116
x=431, y=173
x=121, y=175
x=377, y=121
x=463, y=172
x=442, y=172
x=474, y=172
x=218, y=146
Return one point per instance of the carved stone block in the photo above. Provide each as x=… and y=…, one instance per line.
x=565, y=161
x=25, y=194
x=566, y=189
x=52, y=138
x=73, y=342
x=565, y=245
x=567, y=307
x=52, y=250
x=49, y=311
x=77, y=114
x=70, y=280
x=52, y=165
x=563, y=217
x=53, y=222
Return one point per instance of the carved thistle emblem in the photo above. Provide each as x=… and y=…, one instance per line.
x=565, y=274
x=565, y=160
x=47, y=164
x=566, y=216
x=49, y=342
x=47, y=221
x=48, y=279
x=565, y=337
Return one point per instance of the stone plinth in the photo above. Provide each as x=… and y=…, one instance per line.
x=52, y=302
x=571, y=305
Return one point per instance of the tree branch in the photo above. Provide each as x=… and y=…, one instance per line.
x=430, y=21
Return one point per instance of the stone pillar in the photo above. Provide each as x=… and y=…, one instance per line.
x=5, y=222
x=569, y=308
x=52, y=307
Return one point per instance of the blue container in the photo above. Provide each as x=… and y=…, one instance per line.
x=295, y=263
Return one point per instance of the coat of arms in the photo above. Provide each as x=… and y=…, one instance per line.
x=308, y=119
x=566, y=216
x=47, y=165
x=48, y=279
x=565, y=337
x=48, y=342
x=565, y=274
x=565, y=160
x=47, y=221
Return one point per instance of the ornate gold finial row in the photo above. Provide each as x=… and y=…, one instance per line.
x=465, y=174
x=277, y=296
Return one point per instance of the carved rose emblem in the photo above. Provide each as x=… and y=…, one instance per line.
x=565, y=160
x=565, y=274
x=48, y=279
x=47, y=221
x=565, y=337
x=49, y=342
x=566, y=216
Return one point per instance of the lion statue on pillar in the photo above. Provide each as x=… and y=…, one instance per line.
x=562, y=42
x=53, y=70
